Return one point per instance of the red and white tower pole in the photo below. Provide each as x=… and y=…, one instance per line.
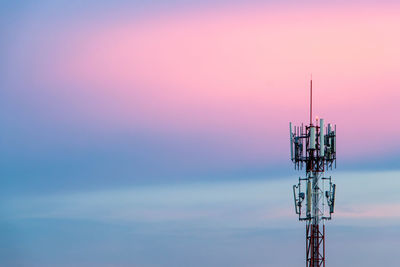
x=313, y=147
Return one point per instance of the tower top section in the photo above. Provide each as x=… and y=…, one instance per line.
x=313, y=145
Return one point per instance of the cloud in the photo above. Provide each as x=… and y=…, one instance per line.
x=248, y=203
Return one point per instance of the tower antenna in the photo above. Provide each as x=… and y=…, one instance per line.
x=314, y=147
x=311, y=100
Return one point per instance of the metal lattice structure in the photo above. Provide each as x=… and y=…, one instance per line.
x=313, y=148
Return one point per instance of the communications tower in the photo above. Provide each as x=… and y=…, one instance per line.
x=313, y=148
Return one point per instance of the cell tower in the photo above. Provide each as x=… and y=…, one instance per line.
x=313, y=147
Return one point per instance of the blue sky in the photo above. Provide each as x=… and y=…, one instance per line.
x=231, y=223
x=155, y=164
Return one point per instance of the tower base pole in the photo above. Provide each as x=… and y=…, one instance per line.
x=315, y=245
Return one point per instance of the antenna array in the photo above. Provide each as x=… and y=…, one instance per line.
x=313, y=148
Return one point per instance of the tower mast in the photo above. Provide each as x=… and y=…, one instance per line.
x=314, y=148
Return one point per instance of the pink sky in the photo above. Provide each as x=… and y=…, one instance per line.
x=238, y=75
x=140, y=128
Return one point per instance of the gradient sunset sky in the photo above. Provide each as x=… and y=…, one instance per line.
x=155, y=133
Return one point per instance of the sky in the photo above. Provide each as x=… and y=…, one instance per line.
x=141, y=133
